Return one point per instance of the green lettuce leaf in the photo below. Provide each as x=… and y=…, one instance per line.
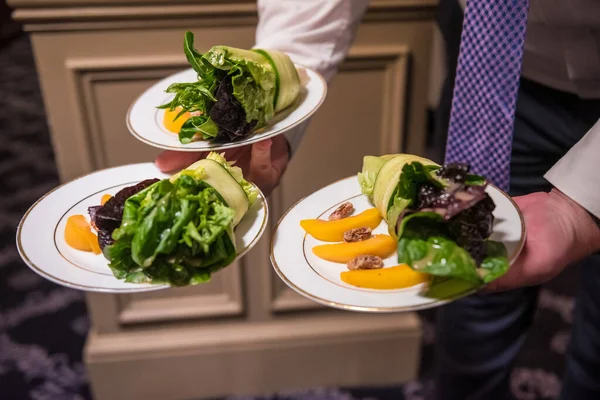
x=371, y=167
x=237, y=173
x=176, y=232
x=198, y=124
x=426, y=246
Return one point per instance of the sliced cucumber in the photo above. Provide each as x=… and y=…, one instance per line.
x=386, y=182
x=388, y=178
x=225, y=184
x=217, y=53
x=393, y=213
x=286, y=77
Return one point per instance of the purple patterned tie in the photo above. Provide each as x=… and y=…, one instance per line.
x=486, y=86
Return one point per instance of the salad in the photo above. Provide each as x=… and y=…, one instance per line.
x=177, y=231
x=237, y=92
x=440, y=217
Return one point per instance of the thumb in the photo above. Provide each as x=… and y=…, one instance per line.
x=169, y=161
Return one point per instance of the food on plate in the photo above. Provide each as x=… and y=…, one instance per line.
x=238, y=92
x=178, y=230
x=441, y=218
x=396, y=277
x=78, y=234
x=343, y=211
x=172, y=121
x=333, y=231
x=365, y=262
x=105, y=198
x=358, y=234
x=378, y=245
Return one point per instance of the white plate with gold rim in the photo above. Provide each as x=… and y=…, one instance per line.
x=146, y=122
x=40, y=235
x=319, y=280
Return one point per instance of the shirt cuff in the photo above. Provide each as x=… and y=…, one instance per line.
x=576, y=173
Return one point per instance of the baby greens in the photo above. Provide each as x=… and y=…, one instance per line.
x=237, y=92
x=177, y=233
x=179, y=230
x=442, y=219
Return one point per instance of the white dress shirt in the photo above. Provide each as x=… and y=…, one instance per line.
x=318, y=34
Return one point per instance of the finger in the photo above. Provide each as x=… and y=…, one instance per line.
x=168, y=161
x=260, y=160
x=279, y=155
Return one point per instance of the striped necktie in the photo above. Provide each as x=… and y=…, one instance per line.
x=486, y=87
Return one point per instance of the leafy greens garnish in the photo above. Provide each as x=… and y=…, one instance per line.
x=173, y=232
x=107, y=218
x=233, y=96
x=443, y=219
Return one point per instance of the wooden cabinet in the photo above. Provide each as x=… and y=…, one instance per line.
x=244, y=332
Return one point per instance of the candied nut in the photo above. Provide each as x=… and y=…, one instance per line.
x=365, y=262
x=343, y=211
x=357, y=234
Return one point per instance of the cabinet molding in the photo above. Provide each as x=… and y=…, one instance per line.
x=86, y=73
x=254, y=358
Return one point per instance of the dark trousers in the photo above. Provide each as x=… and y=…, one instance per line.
x=480, y=336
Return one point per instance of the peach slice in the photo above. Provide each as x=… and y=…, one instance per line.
x=78, y=234
x=398, y=277
x=105, y=198
x=333, y=231
x=175, y=126
x=378, y=245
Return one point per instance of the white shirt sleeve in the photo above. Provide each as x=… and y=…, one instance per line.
x=314, y=33
x=576, y=173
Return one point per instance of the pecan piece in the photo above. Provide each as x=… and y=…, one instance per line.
x=357, y=234
x=365, y=262
x=343, y=211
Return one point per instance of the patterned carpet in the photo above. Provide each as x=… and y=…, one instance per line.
x=43, y=326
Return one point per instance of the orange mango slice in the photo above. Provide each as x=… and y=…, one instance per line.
x=78, y=234
x=105, y=198
x=174, y=126
x=378, y=245
x=398, y=277
x=333, y=231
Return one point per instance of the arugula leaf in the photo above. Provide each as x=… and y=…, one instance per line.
x=195, y=58
x=198, y=124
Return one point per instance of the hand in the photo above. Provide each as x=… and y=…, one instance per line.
x=559, y=232
x=263, y=162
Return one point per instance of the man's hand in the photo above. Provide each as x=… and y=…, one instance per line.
x=263, y=162
x=559, y=233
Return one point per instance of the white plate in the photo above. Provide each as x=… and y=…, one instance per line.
x=40, y=235
x=319, y=280
x=145, y=121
